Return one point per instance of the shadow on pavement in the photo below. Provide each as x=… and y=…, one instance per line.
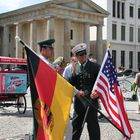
x=28, y=113
x=135, y=120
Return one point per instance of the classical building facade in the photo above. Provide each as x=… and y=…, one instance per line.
x=67, y=21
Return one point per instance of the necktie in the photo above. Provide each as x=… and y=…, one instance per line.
x=82, y=67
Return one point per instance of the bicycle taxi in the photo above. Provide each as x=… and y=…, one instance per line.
x=13, y=84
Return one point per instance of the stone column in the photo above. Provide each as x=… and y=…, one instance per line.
x=99, y=45
x=19, y=47
x=51, y=33
x=67, y=44
x=6, y=49
x=86, y=36
x=50, y=27
x=33, y=35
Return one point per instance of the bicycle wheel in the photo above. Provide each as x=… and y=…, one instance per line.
x=21, y=104
x=126, y=88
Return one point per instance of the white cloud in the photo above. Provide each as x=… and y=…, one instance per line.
x=102, y=3
x=6, y=5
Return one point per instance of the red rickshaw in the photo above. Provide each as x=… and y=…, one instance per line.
x=13, y=83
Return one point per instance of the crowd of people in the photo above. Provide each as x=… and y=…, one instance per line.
x=81, y=72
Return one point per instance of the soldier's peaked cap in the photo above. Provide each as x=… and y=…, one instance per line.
x=46, y=43
x=79, y=48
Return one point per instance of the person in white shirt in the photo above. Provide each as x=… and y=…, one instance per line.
x=69, y=68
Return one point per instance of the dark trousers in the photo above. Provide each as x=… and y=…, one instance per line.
x=92, y=124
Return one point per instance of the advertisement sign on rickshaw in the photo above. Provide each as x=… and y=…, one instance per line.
x=13, y=83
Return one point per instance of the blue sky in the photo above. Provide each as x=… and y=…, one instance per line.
x=9, y=5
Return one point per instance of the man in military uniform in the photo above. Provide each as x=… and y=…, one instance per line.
x=84, y=80
x=47, y=50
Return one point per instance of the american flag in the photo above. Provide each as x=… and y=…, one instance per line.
x=109, y=91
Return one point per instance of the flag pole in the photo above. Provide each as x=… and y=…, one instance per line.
x=19, y=40
x=93, y=106
x=85, y=117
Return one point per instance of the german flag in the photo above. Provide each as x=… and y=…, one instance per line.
x=51, y=99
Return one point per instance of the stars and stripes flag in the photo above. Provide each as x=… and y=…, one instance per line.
x=110, y=93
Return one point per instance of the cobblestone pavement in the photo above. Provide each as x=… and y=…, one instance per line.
x=14, y=126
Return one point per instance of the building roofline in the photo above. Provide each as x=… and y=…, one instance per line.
x=47, y=3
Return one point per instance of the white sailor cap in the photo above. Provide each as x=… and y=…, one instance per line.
x=79, y=48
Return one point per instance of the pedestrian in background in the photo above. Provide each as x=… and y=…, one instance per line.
x=69, y=68
x=67, y=74
x=90, y=57
x=137, y=82
x=59, y=64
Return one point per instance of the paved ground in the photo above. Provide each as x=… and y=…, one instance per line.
x=14, y=126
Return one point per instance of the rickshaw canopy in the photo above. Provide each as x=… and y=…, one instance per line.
x=12, y=60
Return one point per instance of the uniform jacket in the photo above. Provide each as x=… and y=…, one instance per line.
x=85, y=81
